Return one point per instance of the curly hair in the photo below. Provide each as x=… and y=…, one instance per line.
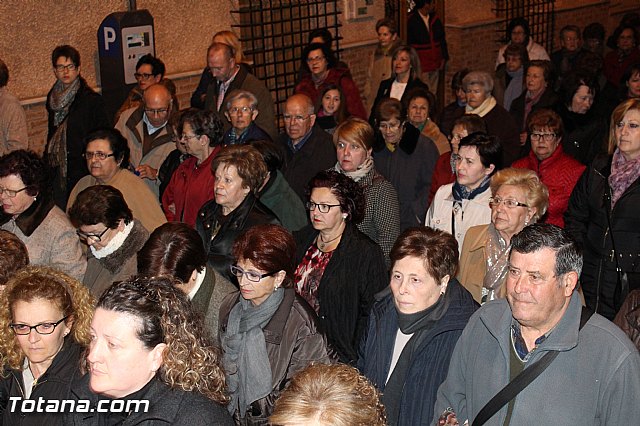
x=190, y=361
x=349, y=193
x=13, y=255
x=69, y=295
x=336, y=395
x=536, y=192
x=270, y=248
x=30, y=168
x=247, y=161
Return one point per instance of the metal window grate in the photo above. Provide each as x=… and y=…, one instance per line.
x=275, y=32
x=539, y=13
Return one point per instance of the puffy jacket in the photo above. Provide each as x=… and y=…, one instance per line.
x=293, y=342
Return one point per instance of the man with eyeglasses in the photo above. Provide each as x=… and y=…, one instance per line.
x=308, y=148
x=149, y=71
x=241, y=111
x=229, y=76
x=557, y=170
x=149, y=133
x=74, y=110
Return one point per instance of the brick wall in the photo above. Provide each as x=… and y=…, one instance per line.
x=358, y=58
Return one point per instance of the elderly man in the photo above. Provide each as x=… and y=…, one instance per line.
x=309, y=149
x=13, y=120
x=230, y=76
x=149, y=133
x=242, y=110
x=595, y=375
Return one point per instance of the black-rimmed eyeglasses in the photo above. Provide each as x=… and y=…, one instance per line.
x=323, y=208
x=95, y=237
x=42, y=328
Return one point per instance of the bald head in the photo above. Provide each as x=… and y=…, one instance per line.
x=220, y=58
x=157, y=104
x=299, y=117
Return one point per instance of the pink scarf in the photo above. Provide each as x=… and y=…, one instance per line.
x=623, y=174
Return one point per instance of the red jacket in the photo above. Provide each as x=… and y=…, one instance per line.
x=560, y=173
x=340, y=77
x=441, y=175
x=189, y=188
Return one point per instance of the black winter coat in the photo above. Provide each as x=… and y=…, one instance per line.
x=54, y=384
x=384, y=91
x=586, y=221
x=293, y=342
x=167, y=406
x=584, y=134
x=218, y=238
x=355, y=273
x=86, y=114
x=430, y=363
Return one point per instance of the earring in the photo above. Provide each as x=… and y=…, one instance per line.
x=35, y=198
x=344, y=216
x=526, y=222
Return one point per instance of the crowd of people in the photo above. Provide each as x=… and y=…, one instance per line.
x=377, y=262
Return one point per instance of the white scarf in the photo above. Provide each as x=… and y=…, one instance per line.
x=115, y=243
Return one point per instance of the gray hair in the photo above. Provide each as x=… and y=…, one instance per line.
x=543, y=235
x=480, y=78
x=242, y=94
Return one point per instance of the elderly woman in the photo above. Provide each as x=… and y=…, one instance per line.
x=331, y=108
x=176, y=249
x=406, y=159
x=445, y=171
x=558, y=171
x=147, y=343
x=329, y=395
x=267, y=332
x=538, y=94
x=509, y=79
x=105, y=223
x=464, y=203
x=339, y=268
x=405, y=75
x=192, y=184
x=603, y=215
x=241, y=111
x=519, y=198
x=44, y=326
x=478, y=86
x=240, y=172
x=13, y=257
x=415, y=324
x=28, y=211
x=107, y=157
x=74, y=110
x=584, y=127
x=519, y=32
x=354, y=143
x=319, y=70
x=421, y=109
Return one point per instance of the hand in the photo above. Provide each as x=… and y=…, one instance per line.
x=172, y=208
x=145, y=171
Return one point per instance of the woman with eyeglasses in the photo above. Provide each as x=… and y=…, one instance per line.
x=320, y=69
x=557, y=170
x=45, y=317
x=29, y=212
x=405, y=158
x=267, y=332
x=339, y=269
x=464, y=203
x=106, y=153
x=518, y=199
x=192, y=184
x=240, y=172
x=106, y=225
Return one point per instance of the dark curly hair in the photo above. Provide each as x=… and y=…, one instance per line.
x=349, y=193
x=205, y=123
x=13, y=255
x=326, y=52
x=30, y=168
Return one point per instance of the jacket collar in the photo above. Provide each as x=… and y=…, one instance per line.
x=29, y=220
x=407, y=144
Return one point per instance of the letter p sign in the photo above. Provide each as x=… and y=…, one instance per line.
x=109, y=37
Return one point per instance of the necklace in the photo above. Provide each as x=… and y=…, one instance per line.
x=322, y=243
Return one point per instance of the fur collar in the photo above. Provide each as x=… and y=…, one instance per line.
x=408, y=142
x=29, y=220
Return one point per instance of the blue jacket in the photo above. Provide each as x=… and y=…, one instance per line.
x=431, y=360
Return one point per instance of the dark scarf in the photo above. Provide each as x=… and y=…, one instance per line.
x=461, y=192
x=418, y=324
x=245, y=358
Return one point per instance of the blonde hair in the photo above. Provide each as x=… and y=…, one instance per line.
x=330, y=395
x=355, y=130
x=230, y=39
x=69, y=295
x=536, y=192
x=617, y=116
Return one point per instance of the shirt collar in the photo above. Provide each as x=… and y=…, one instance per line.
x=297, y=147
x=150, y=127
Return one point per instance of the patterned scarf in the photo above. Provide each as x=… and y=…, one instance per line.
x=362, y=170
x=61, y=99
x=623, y=174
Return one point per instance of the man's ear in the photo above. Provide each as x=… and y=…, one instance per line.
x=568, y=282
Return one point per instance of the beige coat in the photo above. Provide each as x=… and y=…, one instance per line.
x=473, y=261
